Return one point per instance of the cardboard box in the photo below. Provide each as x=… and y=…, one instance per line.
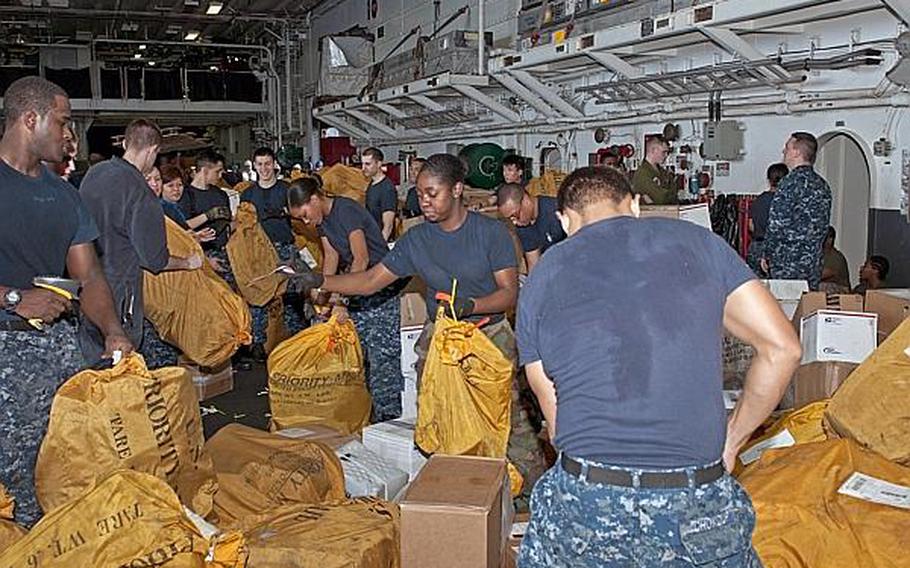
x=698, y=213
x=519, y=528
x=394, y=442
x=369, y=474
x=407, y=224
x=891, y=305
x=816, y=381
x=457, y=514
x=831, y=335
x=209, y=382
x=413, y=319
x=811, y=302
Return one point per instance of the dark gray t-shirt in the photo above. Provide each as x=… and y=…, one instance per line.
x=545, y=231
x=195, y=202
x=471, y=254
x=42, y=218
x=131, y=222
x=346, y=217
x=381, y=197
x=270, y=204
x=627, y=318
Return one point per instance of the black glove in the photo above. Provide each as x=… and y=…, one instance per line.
x=304, y=279
x=462, y=308
x=218, y=214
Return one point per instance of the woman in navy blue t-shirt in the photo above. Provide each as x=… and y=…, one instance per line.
x=352, y=242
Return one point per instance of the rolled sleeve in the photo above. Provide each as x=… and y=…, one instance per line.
x=526, y=324
x=400, y=260
x=87, y=230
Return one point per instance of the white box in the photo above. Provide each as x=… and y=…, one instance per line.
x=394, y=442
x=409, y=336
x=831, y=335
x=409, y=401
x=697, y=213
x=788, y=293
x=368, y=474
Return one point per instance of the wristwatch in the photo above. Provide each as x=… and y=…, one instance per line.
x=11, y=300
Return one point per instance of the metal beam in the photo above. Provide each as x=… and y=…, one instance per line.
x=901, y=9
x=736, y=45
x=390, y=110
x=525, y=94
x=427, y=103
x=487, y=101
x=546, y=94
x=616, y=64
x=367, y=119
x=345, y=126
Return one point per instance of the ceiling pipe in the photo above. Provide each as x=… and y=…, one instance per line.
x=140, y=15
x=481, y=43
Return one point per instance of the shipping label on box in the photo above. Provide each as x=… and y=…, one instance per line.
x=829, y=335
x=811, y=302
x=409, y=337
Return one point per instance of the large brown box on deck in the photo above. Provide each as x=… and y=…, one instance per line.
x=811, y=302
x=892, y=307
x=209, y=382
x=817, y=381
x=457, y=513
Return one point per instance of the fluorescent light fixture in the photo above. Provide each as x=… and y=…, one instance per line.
x=137, y=56
x=213, y=68
x=214, y=8
x=142, y=46
x=151, y=63
x=191, y=36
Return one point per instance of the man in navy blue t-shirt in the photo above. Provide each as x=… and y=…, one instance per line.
x=270, y=195
x=619, y=330
x=534, y=218
x=381, y=198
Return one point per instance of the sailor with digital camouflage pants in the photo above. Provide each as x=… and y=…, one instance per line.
x=46, y=230
x=799, y=218
x=352, y=242
x=628, y=375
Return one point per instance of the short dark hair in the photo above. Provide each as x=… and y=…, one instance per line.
x=592, y=184
x=509, y=193
x=654, y=140
x=30, y=94
x=775, y=173
x=514, y=160
x=446, y=167
x=207, y=158
x=881, y=264
x=170, y=172
x=374, y=153
x=263, y=151
x=807, y=145
x=301, y=190
x=141, y=134
x=832, y=234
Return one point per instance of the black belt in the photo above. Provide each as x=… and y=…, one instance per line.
x=16, y=325
x=648, y=480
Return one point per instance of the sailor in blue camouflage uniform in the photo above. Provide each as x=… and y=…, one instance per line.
x=46, y=231
x=352, y=242
x=800, y=216
x=628, y=374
